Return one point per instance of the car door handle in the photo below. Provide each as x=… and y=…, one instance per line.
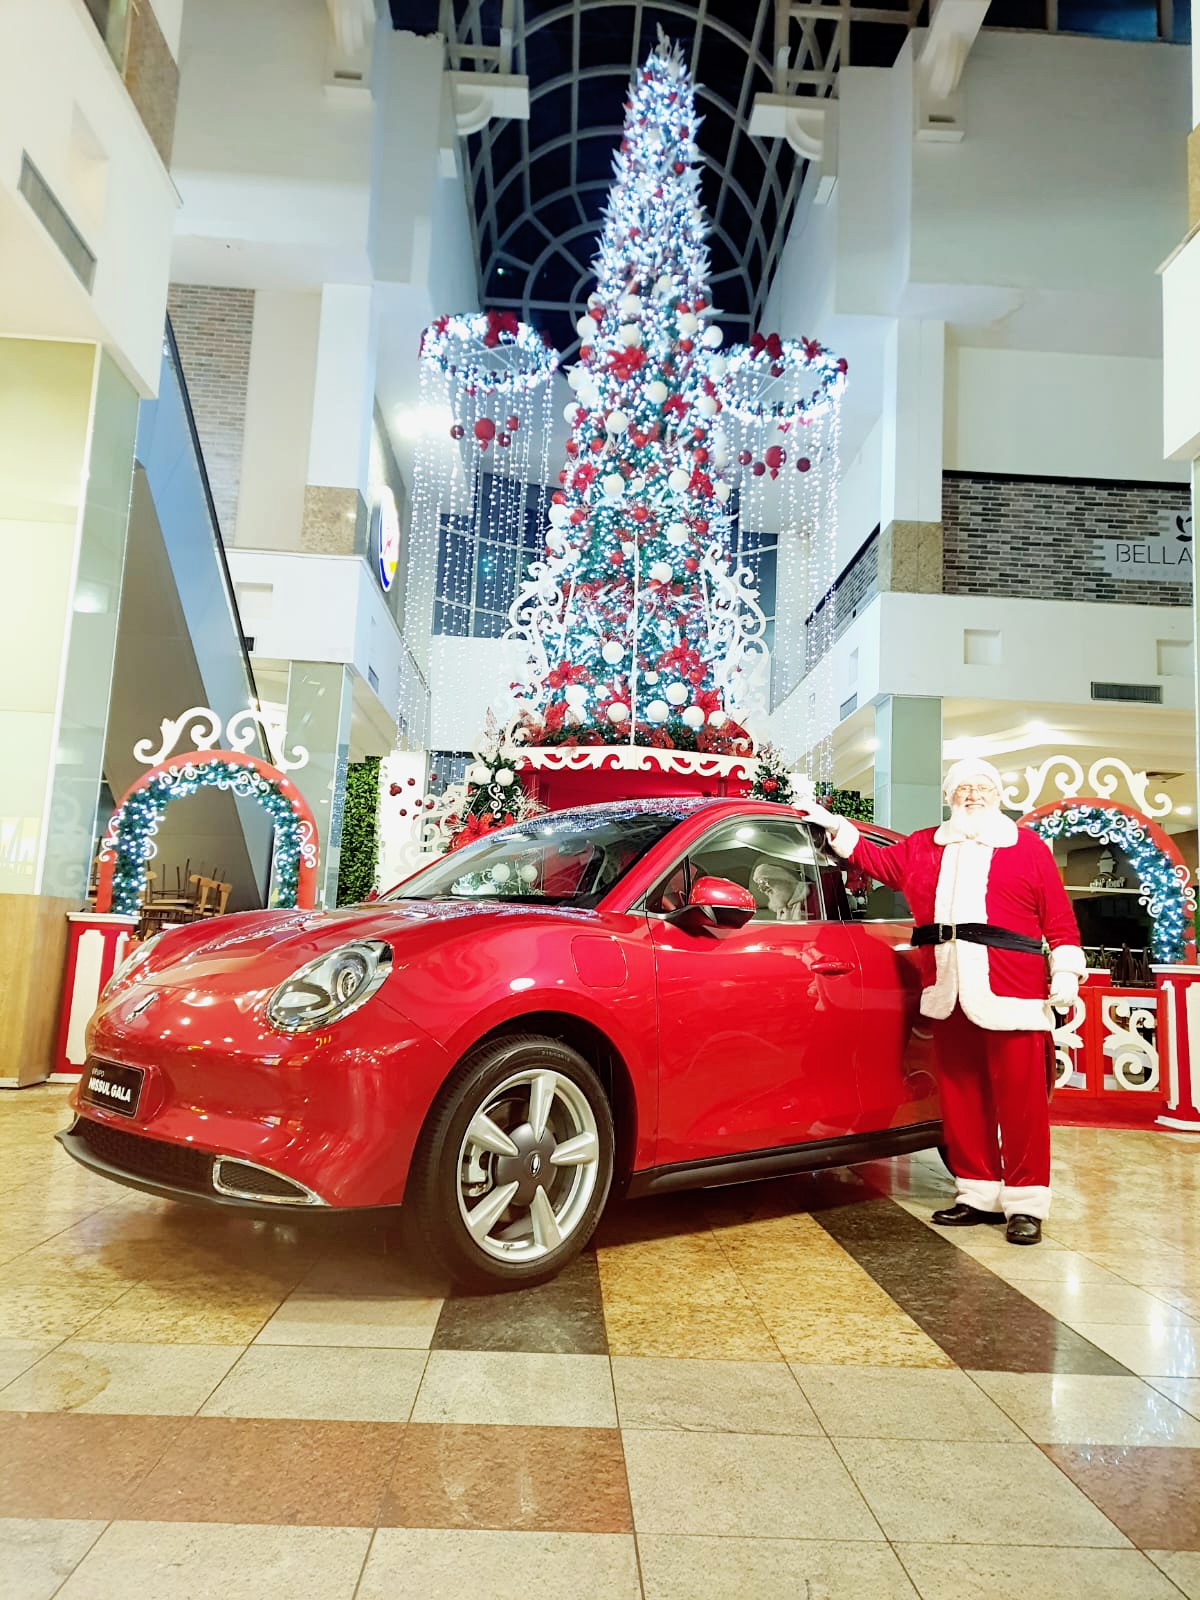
x=832, y=968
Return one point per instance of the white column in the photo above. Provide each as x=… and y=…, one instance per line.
x=340, y=435
x=913, y=382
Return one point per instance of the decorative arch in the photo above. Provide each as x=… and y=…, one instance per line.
x=1163, y=875
x=129, y=838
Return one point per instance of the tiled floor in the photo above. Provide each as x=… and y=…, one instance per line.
x=795, y=1389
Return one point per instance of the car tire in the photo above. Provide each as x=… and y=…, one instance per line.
x=547, y=1097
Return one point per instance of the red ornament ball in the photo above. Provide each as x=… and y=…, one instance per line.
x=691, y=564
x=615, y=557
x=745, y=458
x=758, y=468
x=395, y=789
x=412, y=783
x=485, y=431
x=774, y=456
x=504, y=440
x=513, y=423
x=770, y=785
x=597, y=445
x=803, y=464
x=457, y=431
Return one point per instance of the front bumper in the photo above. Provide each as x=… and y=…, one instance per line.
x=180, y=1172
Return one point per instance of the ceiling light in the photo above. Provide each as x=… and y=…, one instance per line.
x=1183, y=811
x=1037, y=730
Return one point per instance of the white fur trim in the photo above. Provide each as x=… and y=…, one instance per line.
x=1031, y=1201
x=971, y=767
x=998, y=831
x=1068, y=958
x=962, y=970
x=981, y=1193
x=844, y=838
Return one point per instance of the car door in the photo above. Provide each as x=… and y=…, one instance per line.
x=893, y=1048
x=756, y=1024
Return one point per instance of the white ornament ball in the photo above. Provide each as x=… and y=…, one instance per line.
x=573, y=717
x=613, y=485
x=664, y=286
x=529, y=873
x=631, y=335
x=661, y=572
x=616, y=422
x=595, y=299
x=589, y=395
x=613, y=652
x=718, y=366
x=560, y=515
x=722, y=492
x=694, y=717
x=575, y=694
x=575, y=376
x=678, y=480
x=628, y=548
x=717, y=719
x=713, y=338
x=720, y=449
x=478, y=773
x=501, y=872
x=505, y=776
x=676, y=694
x=707, y=406
x=618, y=713
x=649, y=677
x=657, y=391
x=688, y=323
x=555, y=540
x=658, y=711
x=586, y=328
x=569, y=410
x=677, y=534
x=630, y=306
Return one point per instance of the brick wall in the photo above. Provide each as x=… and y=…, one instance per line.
x=1036, y=538
x=212, y=329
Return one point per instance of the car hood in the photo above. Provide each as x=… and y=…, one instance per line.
x=258, y=949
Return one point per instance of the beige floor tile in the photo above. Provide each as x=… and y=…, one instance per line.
x=710, y=1396
x=42, y=1311
x=397, y=1323
x=986, y=1572
x=421, y=1563
x=892, y=1403
x=719, y=1333
x=847, y=1338
x=691, y=1273
x=526, y=1390
x=1185, y=1300
x=187, y=1313
x=970, y=1493
x=1078, y=1408
x=1184, y=1392
x=320, y=1383
x=167, y=1380
x=1104, y=1303
x=213, y=1561
x=1182, y=1567
x=742, y=1485
x=36, y=1555
x=1040, y=1265
x=1162, y=1352
x=17, y=1355
x=692, y=1567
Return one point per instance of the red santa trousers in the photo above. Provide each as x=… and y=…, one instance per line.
x=996, y=1114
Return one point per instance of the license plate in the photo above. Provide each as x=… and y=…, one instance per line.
x=114, y=1087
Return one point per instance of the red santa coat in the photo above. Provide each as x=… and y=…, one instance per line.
x=1006, y=877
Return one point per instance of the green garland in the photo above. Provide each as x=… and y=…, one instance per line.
x=846, y=802
x=359, y=863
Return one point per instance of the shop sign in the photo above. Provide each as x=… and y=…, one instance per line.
x=1164, y=557
x=386, y=536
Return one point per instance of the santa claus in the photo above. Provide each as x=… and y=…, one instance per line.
x=986, y=898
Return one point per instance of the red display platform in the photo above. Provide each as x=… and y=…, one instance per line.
x=559, y=776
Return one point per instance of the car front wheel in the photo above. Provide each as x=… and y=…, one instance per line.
x=515, y=1164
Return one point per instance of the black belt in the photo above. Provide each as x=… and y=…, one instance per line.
x=976, y=933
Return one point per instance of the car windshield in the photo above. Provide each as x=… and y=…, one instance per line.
x=555, y=859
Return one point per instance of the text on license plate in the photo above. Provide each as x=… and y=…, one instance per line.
x=114, y=1087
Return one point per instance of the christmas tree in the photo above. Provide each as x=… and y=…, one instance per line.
x=641, y=628
x=771, y=780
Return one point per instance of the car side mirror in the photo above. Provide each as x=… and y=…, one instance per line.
x=718, y=902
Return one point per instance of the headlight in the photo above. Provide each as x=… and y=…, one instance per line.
x=330, y=987
x=131, y=964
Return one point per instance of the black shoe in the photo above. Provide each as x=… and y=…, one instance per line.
x=964, y=1216
x=1023, y=1230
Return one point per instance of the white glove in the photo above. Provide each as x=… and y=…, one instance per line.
x=1064, y=990
x=811, y=811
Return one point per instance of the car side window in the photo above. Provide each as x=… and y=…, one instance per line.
x=774, y=859
x=855, y=896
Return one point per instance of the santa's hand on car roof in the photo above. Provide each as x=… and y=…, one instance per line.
x=812, y=811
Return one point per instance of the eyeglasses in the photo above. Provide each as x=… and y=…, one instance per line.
x=974, y=791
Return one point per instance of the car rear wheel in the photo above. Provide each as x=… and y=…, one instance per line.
x=515, y=1164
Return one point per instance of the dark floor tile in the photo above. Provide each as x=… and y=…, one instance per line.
x=61, y=1464
x=549, y=1480
x=238, y=1469
x=979, y=1320
x=562, y=1317
x=1151, y=1492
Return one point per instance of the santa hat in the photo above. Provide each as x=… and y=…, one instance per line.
x=972, y=770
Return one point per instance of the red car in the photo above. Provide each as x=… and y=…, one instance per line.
x=647, y=996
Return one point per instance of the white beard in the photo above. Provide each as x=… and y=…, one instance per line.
x=972, y=823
